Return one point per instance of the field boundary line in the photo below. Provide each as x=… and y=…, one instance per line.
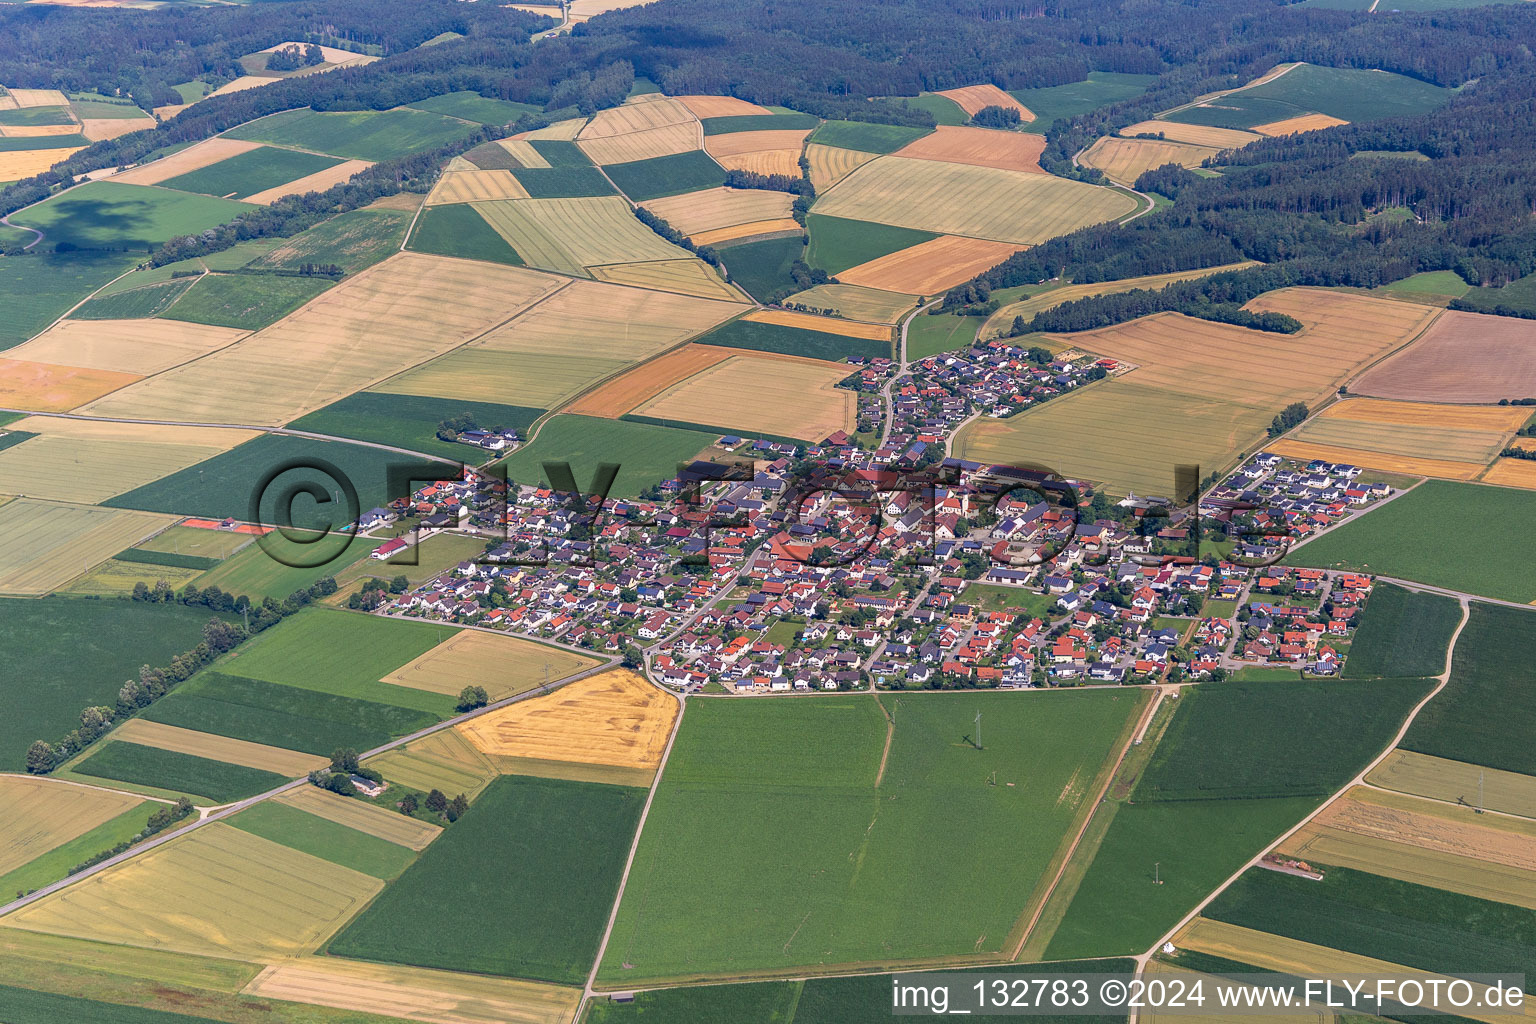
x=1443, y=679
x=86, y=785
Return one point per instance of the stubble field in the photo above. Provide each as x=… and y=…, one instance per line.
x=754, y=392
x=504, y=665
x=929, y=267
x=1464, y=357
x=978, y=147
x=48, y=544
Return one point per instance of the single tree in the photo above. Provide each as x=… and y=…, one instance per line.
x=472, y=697
x=437, y=802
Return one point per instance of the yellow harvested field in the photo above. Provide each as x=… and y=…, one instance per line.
x=126, y=346
x=639, y=114
x=872, y=305
x=1382, y=461
x=1417, y=841
x=1512, y=473
x=36, y=131
x=414, y=993
x=369, y=327
x=779, y=226
x=738, y=143
x=1002, y=321
x=974, y=98
x=1463, y=357
x=67, y=463
x=241, y=84
x=27, y=163
x=38, y=815
x=758, y=392
x=204, y=154
x=566, y=235
x=929, y=267
x=504, y=665
x=412, y=833
x=236, y=895
x=712, y=208
x=825, y=324
x=1306, y=960
x=981, y=147
x=331, y=54
x=115, y=578
x=444, y=760
x=98, y=128
x=49, y=544
x=523, y=152
x=482, y=375
x=1295, y=125
x=39, y=98
x=766, y=161
x=560, y=131
x=687, y=277
x=665, y=140
x=1455, y=782
x=615, y=718
x=1456, y=434
x=49, y=387
x=830, y=165
x=982, y=202
x=317, y=182
x=476, y=187
x=1196, y=134
x=720, y=106
x=616, y=397
x=217, y=748
x=1125, y=160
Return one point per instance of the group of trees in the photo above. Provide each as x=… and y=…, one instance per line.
x=676, y=237
x=437, y=802
x=1289, y=417
x=294, y=57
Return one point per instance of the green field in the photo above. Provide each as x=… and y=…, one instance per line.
x=759, y=123
x=844, y=860
x=24, y=1006
x=223, y=486
x=471, y=106
x=10, y=144
x=97, y=105
x=62, y=655
x=353, y=241
x=56, y=863
x=795, y=341
x=867, y=999
x=1157, y=861
x=262, y=570
x=930, y=335
x=1348, y=93
x=1435, y=284
x=343, y=653
x=191, y=540
x=838, y=243
x=1239, y=740
x=109, y=215
x=458, y=230
x=646, y=453
x=569, y=175
x=135, y=303
x=410, y=421
x=253, y=171
x=233, y=258
x=215, y=782
x=283, y=716
x=355, y=134
x=666, y=175
x=1519, y=296
x=1399, y=922
x=539, y=863
x=166, y=558
x=1466, y=537
x=762, y=268
x=1015, y=599
x=1100, y=89
x=247, y=301
x=1486, y=715
x=320, y=837
x=36, y=116
x=866, y=137
x=37, y=289
x=943, y=109
x=1402, y=633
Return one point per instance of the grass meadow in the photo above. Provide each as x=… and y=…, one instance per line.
x=793, y=341
x=260, y=569
x=1100, y=89
x=762, y=268
x=471, y=106
x=800, y=831
x=646, y=453
x=838, y=243
x=666, y=175
x=206, y=780
x=410, y=421
x=253, y=171
x=1402, y=633
x=1399, y=922
x=1486, y=715
x=110, y=215
x=1466, y=537
x=62, y=655
x=355, y=134
x=328, y=840
x=40, y=288
x=353, y=241
x=25, y=1006
x=459, y=230
x=534, y=865
x=135, y=303
x=247, y=301
x=866, y=137
x=283, y=716
x=930, y=335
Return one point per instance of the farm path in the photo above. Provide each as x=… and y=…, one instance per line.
x=6, y=220
x=222, y=811
x=85, y=785
x=1359, y=779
